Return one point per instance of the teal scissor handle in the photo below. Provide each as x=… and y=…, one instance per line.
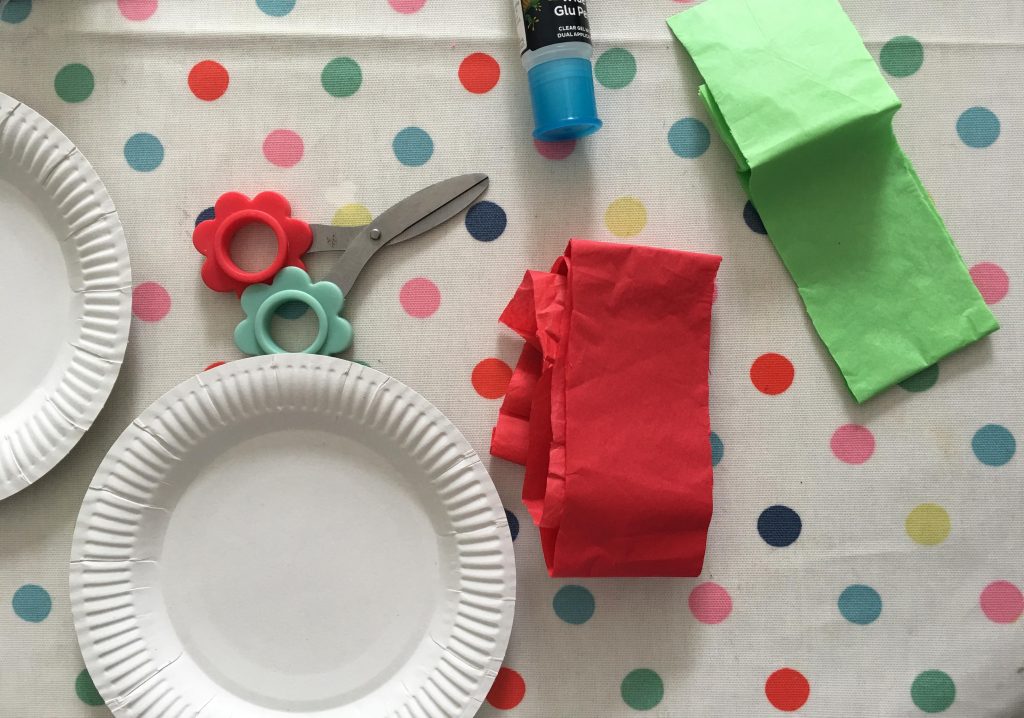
x=260, y=301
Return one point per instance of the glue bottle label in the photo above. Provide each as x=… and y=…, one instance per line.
x=547, y=22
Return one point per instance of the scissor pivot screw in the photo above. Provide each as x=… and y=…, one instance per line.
x=374, y=234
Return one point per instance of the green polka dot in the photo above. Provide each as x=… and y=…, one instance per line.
x=923, y=380
x=342, y=77
x=616, y=68
x=86, y=690
x=74, y=83
x=933, y=691
x=642, y=689
x=902, y=56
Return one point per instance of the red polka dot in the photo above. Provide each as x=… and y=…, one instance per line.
x=771, y=373
x=508, y=690
x=479, y=73
x=555, y=150
x=991, y=281
x=215, y=365
x=787, y=689
x=420, y=297
x=491, y=378
x=208, y=80
x=150, y=302
x=853, y=443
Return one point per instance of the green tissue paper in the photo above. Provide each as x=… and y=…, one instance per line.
x=801, y=104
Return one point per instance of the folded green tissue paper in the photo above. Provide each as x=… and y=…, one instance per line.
x=801, y=104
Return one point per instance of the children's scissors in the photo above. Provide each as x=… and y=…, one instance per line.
x=285, y=279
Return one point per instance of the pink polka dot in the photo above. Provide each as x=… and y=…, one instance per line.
x=150, y=302
x=137, y=9
x=710, y=603
x=991, y=281
x=283, y=148
x=1002, y=602
x=407, y=7
x=555, y=150
x=853, y=443
x=420, y=297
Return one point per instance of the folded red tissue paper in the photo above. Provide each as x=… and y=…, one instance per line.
x=608, y=408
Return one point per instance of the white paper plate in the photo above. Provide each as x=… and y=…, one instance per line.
x=65, y=295
x=292, y=535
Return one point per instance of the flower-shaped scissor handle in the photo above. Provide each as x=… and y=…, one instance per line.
x=285, y=280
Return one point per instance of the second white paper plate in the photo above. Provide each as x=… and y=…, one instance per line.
x=292, y=535
x=65, y=295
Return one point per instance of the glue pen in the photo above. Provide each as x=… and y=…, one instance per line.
x=554, y=42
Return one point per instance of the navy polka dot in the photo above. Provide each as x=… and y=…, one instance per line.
x=779, y=525
x=204, y=215
x=753, y=219
x=513, y=524
x=486, y=221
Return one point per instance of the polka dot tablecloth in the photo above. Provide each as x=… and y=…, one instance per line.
x=863, y=561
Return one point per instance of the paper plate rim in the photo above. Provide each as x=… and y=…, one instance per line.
x=57, y=418
x=135, y=680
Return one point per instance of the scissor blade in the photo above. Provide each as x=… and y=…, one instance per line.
x=409, y=218
x=448, y=210
x=328, y=238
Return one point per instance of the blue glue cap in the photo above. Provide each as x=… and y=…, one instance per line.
x=562, y=92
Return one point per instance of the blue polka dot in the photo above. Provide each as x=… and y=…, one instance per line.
x=413, y=147
x=276, y=8
x=779, y=525
x=978, y=127
x=994, y=445
x=32, y=603
x=574, y=604
x=486, y=221
x=753, y=219
x=717, y=449
x=689, y=138
x=205, y=215
x=143, y=152
x=16, y=11
x=860, y=604
x=513, y=524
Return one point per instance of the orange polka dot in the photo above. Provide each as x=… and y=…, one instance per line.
x=208, y=80
x=508, y=690
x=491, y=378
x=771, y=373
x=787, y=689
x=479, y=73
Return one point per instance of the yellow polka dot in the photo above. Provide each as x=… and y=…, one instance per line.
x=928, y=524
x=626, y=217
x=352, y=215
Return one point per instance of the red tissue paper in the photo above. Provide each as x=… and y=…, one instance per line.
x=608, y=408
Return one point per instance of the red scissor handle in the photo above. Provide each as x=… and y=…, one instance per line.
x=233, y=211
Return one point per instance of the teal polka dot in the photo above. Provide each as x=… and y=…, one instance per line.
x=574, y=604
x=86, y=691
x=994, y=445
x=689, y=138
x=413, y=147
x=717, y=449
x=860, y=604
x=902, y=56
x=32, y=603
x=16, y=11
x=143, y=152
x=978, y=127
x=276, y=8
